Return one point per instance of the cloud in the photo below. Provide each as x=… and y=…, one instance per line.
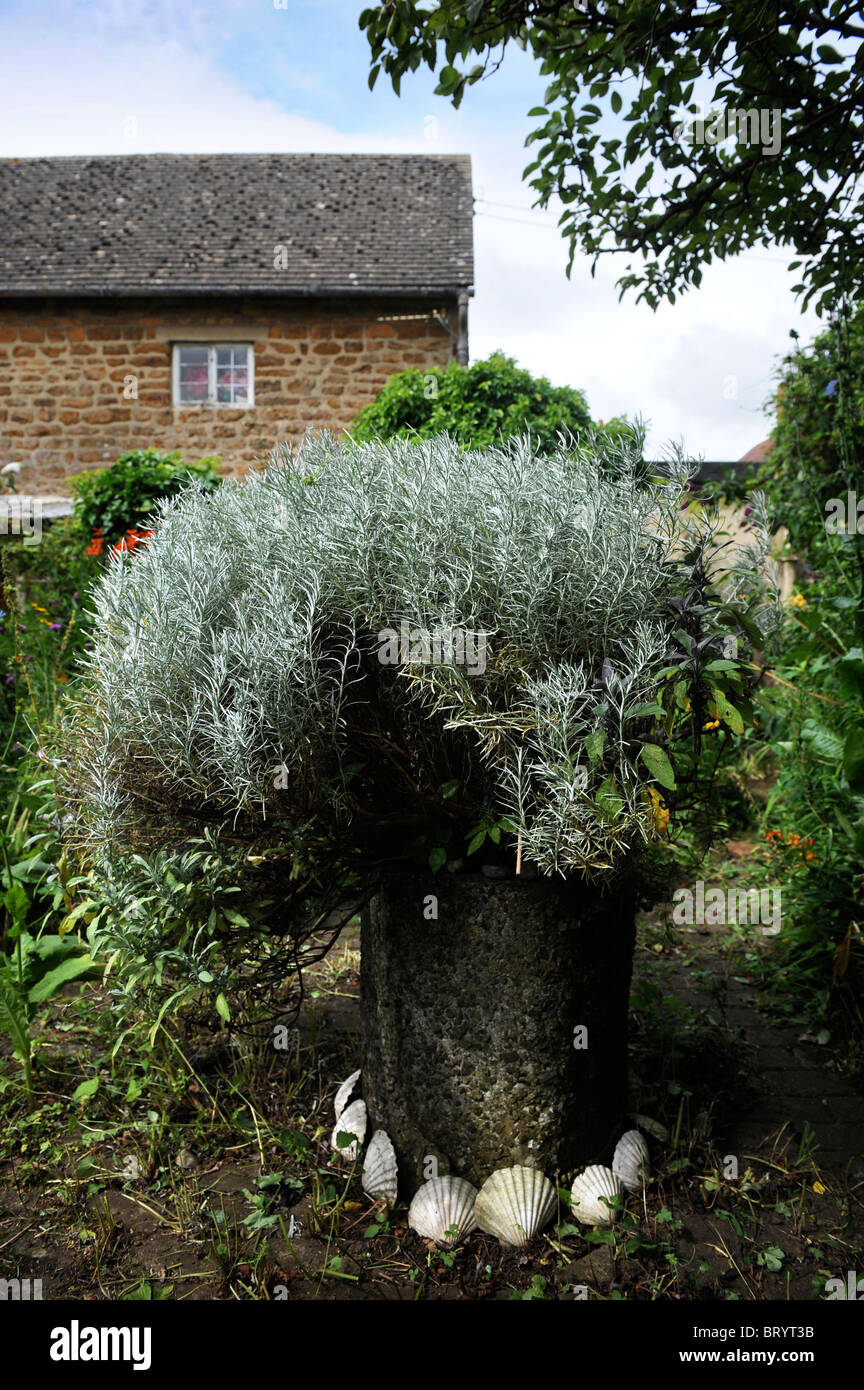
x=238, y=75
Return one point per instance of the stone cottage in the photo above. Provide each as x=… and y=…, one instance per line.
x=217, y=304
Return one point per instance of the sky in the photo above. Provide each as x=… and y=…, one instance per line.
x=142, y=76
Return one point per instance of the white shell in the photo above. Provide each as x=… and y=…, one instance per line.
x=631, y=1163
x=514, y=1204
x=380, y=1176
x=441, y=1205
x=343, y=1095
x=590, y=1185
x=351, y=1121
x=651, y=1127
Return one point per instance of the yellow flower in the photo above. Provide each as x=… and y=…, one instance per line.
x=712, y=724
x=657, y=810
x=819, y=1189
x=38, y=609
x=798, y=601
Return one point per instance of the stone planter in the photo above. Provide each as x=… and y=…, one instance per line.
x=473, y=1054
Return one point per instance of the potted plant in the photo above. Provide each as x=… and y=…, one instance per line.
x=445, y=686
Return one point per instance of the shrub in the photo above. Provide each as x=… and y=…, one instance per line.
x=818, y=438
x=478, y=406
x=240, y=709
x=813, y=717
x=110, y=502
x=814, y=819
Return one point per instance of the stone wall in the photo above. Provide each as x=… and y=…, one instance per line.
x=70, y=370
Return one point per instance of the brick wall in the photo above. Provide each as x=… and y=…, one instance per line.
x=64, y=364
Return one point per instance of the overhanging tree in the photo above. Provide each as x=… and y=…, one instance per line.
x=653, y=190
x=269, y=731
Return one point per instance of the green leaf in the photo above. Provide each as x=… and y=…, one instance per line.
x=594, y=745
x=728, y=713
x=86, y=1089
x=13, y=1015
x=644, y=709
x=71, y=969
x=437, y=858
x=222, y=1008
x=608, y=802
x=616, y=101
x=17, y=903
x=823, y=742
x=658, y=764
x=72, y=917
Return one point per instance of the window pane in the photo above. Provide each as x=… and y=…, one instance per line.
x=232, y=375
x=193, y=390
x=232, y=368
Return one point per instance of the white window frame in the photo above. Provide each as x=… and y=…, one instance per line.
x=211, y=403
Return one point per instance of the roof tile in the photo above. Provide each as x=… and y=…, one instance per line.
x=180, y=223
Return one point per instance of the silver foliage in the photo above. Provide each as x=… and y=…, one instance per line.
x=242, y=639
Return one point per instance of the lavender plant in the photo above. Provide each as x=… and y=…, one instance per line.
x=239, y=708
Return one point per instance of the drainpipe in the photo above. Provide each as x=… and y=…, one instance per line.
x=462, y=335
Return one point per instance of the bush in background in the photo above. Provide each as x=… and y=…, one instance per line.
x=478, y=406
x=818, y=439
x=112, y=502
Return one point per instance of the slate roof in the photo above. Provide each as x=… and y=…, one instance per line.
x=209, y=224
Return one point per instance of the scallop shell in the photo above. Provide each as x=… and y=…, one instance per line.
x=589, y=1186
x=631, y=1163
x=651, y=1127
x=351, y=1121
x=343, y=1095
x=443, y=1210
x=380, y=1176
x=514, y=1204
